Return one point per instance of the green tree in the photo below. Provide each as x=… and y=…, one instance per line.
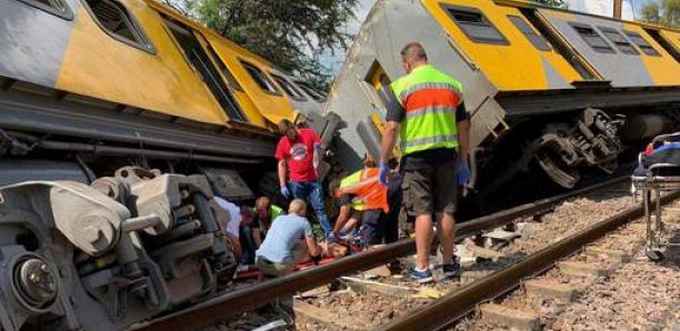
x=666, y=12
x=553, y=3
x=291, y=34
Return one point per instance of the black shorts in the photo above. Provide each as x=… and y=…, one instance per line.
x=372, y=230
x=430, y=189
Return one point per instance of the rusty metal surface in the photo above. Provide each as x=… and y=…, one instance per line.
x=221, y=307
x=465, y=299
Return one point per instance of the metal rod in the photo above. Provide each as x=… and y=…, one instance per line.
x=229, y=304
x=124, y=151
x=464, y=300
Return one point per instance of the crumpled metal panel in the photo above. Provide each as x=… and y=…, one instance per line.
x=228, y=184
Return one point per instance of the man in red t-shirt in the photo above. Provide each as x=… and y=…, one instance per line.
x=298, y=154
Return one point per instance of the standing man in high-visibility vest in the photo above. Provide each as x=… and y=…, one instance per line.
x=427, y=111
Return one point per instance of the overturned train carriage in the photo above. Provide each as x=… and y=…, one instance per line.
x=119, y=122
x=548, y=90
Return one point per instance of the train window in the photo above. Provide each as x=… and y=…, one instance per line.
x=54, y=7
x=619, y=41
x=315, y=94
x=290, y=90
x=231, y=81
x=117, y=22
x=260, y=78
x=536, y=39
x=475, y=25
x=592, y=38
x=188, y=41
x=638, y=40
x=298, y=89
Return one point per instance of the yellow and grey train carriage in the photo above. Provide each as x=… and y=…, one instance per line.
x=563, y=91
x=120, y=121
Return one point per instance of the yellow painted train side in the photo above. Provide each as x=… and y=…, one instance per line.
x=146, y=69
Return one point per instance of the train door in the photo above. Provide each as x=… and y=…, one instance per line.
x=376, y=88
x=197, y=56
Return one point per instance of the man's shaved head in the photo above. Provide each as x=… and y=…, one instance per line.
x=413, y=52
x=413, y=55
x=298, y=207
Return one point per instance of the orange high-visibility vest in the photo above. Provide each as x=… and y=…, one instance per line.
x=430, y=99
x=370, y=194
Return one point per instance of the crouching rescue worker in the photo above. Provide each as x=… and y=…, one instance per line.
x=427, y=111
x=265, y=213
x=363, y=199
x=288, y=241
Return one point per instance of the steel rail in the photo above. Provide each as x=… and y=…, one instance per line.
x=464, y=300
x=223, y=306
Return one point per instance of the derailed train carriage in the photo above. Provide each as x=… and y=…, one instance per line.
x=549, y=91
x=119, y=121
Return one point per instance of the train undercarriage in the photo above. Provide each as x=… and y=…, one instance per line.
x=550, y=154
x=98, y=233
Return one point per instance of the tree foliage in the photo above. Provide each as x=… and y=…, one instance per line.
x=553, y=3
x=666, y=12
x=291, y=34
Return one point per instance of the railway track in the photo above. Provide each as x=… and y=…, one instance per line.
x=432, y=316
x=466, y=299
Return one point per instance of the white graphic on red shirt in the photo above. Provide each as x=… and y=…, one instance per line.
x=298, y=152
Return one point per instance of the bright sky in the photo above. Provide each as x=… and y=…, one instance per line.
x=605, y=7
x=335, y=61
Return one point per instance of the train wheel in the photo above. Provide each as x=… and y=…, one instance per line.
x=559, y=173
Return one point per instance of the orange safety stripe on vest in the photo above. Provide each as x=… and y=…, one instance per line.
x=370, y=191
x=431, y=98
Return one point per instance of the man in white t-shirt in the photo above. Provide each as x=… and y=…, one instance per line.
x=229, y=217
x=234, y=211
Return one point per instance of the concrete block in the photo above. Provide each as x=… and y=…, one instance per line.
x=581, y=269
x=613, y=255
x=471, y=276
x=486, y=253
x=511, y=318
x=380, y=271
x=363, y=286
x=315, y=292
x=526, y=229
x=502, y=235
x=544, y=289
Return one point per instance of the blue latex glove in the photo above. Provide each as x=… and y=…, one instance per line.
x=384, y=171
x=285, y=192
x=463, y=173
